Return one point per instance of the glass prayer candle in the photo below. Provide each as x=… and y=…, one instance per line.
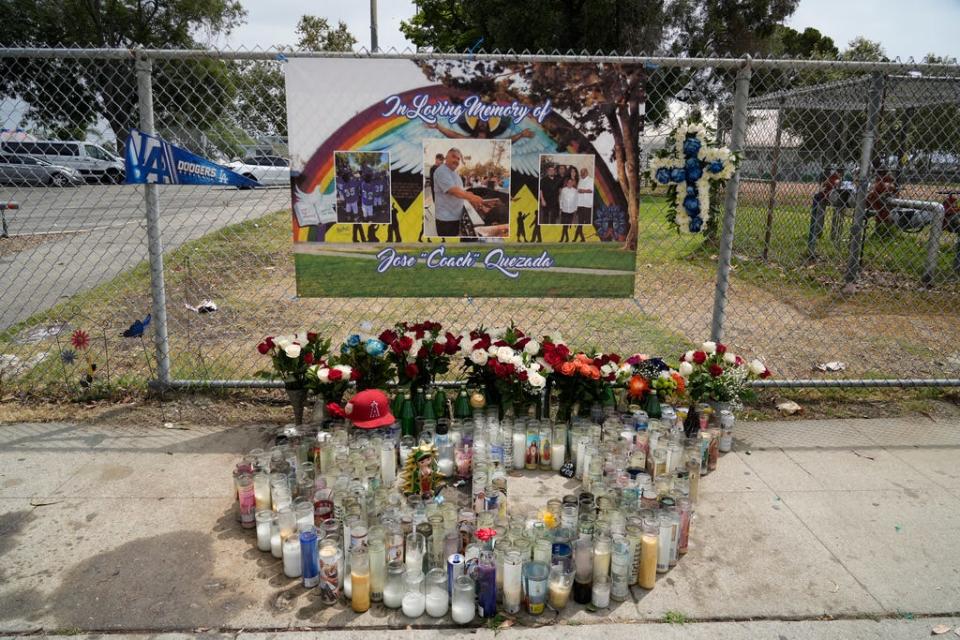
x=545, y=445
x=487, y=584
x=560, y=584
x=568, y=516
x=726, y=440
x=287, y=521
x=264, y=518
x=686, y=514
x=329, y=571
x=291, y=556
x=647, y=576
x=535, y=586
x=360, y=580
x=414, y=600
x=416, y=546
x=519, y=447
x=713, y=455
x=601, y=555
x=620, y=569
x=394, y=541
x=674, y=535
x=261, y=490
x=388, y=463
x=437, y=598
x=659, y=466
x=463, y=607
x=561, y=552
x=600, y=596
x=309, y=559
x=446, y=465
x=664, y=542
x=635, y=540
x=583, y=563
x=304, y=515
x=394, y=586
x=378, y=567
x=512, y=581
x=543, y=550
x=276, y=541
x=247, y=499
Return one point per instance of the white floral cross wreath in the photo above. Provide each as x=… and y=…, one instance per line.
x=688, y=167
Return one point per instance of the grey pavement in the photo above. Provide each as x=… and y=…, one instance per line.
x=131, y=529
x=106, y=234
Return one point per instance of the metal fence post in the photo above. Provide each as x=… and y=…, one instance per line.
x=874, y=104
x=144, y=67
x=738, y=136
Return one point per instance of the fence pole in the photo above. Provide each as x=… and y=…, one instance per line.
x=144, y=67
x=738, y=135
x=772, y=198
x=874, y=101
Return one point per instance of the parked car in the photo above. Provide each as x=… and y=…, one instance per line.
x=264, y=169
x=92, y=161
x=16, y=169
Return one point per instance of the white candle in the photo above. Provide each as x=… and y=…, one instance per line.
x=462, y=612
x=557, y=453
x=413, y=604
x=263, y=536
x=581, y=451
x=437, y=604
x=519, y=449
x=511, y=598
x=392, y=595
x=445, y=467
x=276, y=543
x=414, y=561
x=388, y=466
x=291, y=557
x=347, y=586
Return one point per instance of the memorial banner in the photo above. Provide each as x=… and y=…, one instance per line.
x=152, y=160
x=444, y=177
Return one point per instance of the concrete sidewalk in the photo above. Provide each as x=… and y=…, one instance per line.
x=132, y=529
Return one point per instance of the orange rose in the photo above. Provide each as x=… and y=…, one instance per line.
x=582, y=359
x=593, y=373
x=681, y=383
x=567, y=368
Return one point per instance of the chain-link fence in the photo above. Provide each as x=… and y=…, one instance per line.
x=838, y=246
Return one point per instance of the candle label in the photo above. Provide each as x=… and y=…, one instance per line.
x=567, y=470
x=329, y=581
x=533, y=448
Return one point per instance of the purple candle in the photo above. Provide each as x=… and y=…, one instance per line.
x=487, y=584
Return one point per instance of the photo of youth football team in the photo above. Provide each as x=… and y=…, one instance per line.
x=363, y=186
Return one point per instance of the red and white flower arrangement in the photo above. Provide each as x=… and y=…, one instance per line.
x=292, y=355
x=420, y=351
x=507, y=363
x=716, y=374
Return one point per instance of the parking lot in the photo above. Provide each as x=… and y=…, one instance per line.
x=106, y=234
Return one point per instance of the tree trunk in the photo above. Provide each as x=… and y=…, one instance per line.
x=620, y=155
x=628, y=117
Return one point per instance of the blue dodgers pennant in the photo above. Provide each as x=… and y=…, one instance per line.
x=152, y=160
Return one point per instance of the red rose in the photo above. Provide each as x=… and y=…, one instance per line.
x=354, y=374
x=563, y=350
x=388, y=336
x=509, y=368
x=699, y=357
x=553, y=359
x=335, y=374
x=518, y=333
x=422, y=353
x=263, y=348
x=419, y=333
x=411, y=370
x=721, y=348
x=614, y=358
x=766, y=373
x=483, y=343
x=500, y=343
x=308, y=357
x=521, y=343
x=739, y=362
x=716, y=370
x=311, y=336
x=268, y=341
x=522, y=375
x=405, y=343
x=437, y=349
x=452, y=345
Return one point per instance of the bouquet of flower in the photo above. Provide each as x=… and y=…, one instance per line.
x=580, y=378
x=506, y=363
x=292, y=355
x=715, y=374
x=367, y=358
x=420, y=351
x=642, y=374
x=331, y=380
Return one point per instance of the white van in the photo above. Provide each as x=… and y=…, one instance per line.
x=92, y=161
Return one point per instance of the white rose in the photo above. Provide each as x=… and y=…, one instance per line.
x=492, y=351
x=556, y=338
x=710, y=348
x=729, y=358
x=536, y=380
x=516, y=360
x=292, y=350
x=504, y=354
x=441, y=339
x=534, y=366
x=688, y=356
x=757, y=367
x=324, y=375
x=685, y=369
x=546, y=367
x=532, y=347
x=479, y=357
x=345, y=369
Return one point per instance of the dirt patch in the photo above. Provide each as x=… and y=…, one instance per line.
x=16, y=244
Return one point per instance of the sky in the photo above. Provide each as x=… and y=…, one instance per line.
x=905, y=29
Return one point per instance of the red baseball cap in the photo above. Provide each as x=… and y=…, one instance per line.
x=369, y=409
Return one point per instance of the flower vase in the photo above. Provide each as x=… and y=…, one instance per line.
x=717, y=407
x=298, y=399
x=319, y=413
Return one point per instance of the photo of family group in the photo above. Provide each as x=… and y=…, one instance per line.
x=566, y=192
x=362, y=186
x=466, y=188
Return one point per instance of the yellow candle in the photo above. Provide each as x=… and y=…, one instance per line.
x=360, y=598
x=647, y=576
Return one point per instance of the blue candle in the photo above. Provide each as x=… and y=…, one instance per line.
x=487, y=584
x=309, y=560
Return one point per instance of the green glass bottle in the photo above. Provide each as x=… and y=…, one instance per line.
x=440, y=408
x=652, y=407
x=461, y=409
x=396, y=404
x=428, y=413
x=408, y=420
x=418, y=401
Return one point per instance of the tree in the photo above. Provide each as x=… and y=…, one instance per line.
x=316, y=34
x=69, y=95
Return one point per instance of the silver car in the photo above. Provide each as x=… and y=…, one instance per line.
x=17, y=169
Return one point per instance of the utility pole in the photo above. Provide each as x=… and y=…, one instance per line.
x=373, y=27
